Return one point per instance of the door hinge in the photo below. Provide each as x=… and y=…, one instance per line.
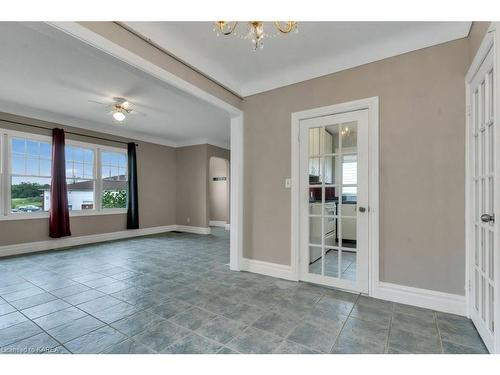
x=470, y=286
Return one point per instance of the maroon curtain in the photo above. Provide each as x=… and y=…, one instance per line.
x=59, y=211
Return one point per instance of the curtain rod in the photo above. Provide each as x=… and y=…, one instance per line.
x=68, y=132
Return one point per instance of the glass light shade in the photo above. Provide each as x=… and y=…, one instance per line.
x=118, y=116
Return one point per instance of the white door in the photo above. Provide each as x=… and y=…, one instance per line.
x=482, y=200
x=334, y=200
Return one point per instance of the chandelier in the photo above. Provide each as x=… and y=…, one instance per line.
x=255, y=30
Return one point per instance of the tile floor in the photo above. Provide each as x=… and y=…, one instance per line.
x=174, y=293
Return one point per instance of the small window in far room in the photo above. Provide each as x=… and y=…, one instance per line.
x=114, y=179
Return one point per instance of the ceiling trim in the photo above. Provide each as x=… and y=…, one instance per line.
x=43, y=115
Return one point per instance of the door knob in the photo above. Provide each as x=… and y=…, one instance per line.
x=362, y=209
x=486, y=218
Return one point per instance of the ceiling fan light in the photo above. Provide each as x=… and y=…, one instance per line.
x=119, y=116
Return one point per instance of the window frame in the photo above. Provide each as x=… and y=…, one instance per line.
x=5, y=176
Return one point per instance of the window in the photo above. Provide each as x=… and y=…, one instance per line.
x=30, y=175
x=349, y=177
x=80, y=177
x=114, y=179
x=96, y=176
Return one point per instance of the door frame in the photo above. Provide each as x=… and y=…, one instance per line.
x=489, y=41
x=372, y=105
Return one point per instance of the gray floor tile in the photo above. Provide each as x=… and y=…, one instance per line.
x=40, y=343
x=8, y=288
x=348, y=344
x=421, y=324
x=113, y=287
x=136, y=323
x=11, y=319
x=225, y=350
x=193, y=344
x=59, y=318
x=99, y=282
x=70, y=290
x=95, y=341
x=75, y=328
x=45, y=308
x=76, y=299
x=371, y=314
x=18, y=332
x=14, y=296
x=116, y=312
x=254, y=341
x=290, y=347
x=367, y=331
x=5, y=308
x=33, y=301
x=98, y=304
x=221, y=329
x=314, y=337
x=453, y=348
x=414, y=310
x=129, y=346
x=411, y=342
x=160, y=335
x=245, y=314
x=169, y=308
x=168, y=274
x=192, y=318
x=278, y=324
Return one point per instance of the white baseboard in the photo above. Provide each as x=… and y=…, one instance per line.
x=217, y=223
x=269, y=269
x=59, y=243
x=429, y=299
x=195, y=230
x=228, y=226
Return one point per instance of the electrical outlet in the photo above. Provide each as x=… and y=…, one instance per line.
x=188, y=220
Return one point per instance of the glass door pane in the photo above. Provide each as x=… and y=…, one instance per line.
x=333, y=188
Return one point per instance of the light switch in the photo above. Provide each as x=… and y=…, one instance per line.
x=288, y=183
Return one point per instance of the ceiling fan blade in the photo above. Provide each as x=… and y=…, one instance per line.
x=136, y=112
x=100, y=103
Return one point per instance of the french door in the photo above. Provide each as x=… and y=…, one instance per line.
x=334, y=200
x=482, y=202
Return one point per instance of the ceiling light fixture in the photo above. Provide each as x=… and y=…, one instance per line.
x=118, y=115
x=255, y=30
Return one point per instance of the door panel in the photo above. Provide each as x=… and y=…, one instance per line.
x=334, y=184
x=483, y=185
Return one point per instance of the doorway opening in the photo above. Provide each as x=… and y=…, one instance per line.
x=218, y=192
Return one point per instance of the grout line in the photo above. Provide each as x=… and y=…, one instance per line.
x=434, y=315
x=386, y=349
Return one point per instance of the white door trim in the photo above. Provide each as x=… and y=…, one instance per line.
x=370, y=104
x=490, y=41
x=236, y=200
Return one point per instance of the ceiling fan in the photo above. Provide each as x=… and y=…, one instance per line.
x=120, y=108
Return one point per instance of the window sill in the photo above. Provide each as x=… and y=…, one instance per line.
x=45, y=215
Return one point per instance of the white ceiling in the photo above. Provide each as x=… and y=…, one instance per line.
x=47, y=74
x=319, y=48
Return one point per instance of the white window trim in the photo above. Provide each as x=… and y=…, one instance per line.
x=5, y=173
